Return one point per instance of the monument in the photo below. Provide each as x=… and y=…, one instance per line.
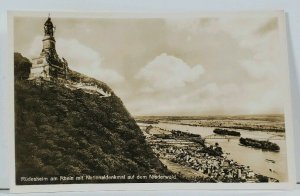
x=48, y=65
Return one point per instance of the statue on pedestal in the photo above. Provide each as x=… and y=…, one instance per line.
x=48, y=27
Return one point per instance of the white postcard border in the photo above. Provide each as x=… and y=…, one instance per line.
x=152, y=186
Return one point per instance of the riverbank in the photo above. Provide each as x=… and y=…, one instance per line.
x=201, y=162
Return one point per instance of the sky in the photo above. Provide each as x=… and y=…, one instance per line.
x=227, y=65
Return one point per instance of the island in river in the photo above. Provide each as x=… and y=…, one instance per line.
x=226, y=132
x=265, y=145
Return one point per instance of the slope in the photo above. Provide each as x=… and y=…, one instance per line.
x=64, y=132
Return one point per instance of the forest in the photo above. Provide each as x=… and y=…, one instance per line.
x=63, y=132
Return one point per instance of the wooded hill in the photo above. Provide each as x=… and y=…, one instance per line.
x=63, y=132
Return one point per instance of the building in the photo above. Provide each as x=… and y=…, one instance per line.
x=48, y=65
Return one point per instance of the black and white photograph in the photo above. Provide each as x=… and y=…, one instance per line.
x=150, y=99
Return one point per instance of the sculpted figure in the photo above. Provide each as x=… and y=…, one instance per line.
x=48, y=27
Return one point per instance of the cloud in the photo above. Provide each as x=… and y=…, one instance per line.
x=167, y=72
x=240, y=57
x=80, y=58
x=210, y=98
x=265, y=60
x=193, y=25
x=257, y=69
x=269, y=26
x=35, y=47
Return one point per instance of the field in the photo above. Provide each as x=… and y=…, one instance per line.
x=270, y=123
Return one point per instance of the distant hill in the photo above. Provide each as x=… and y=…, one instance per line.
x=64, y=132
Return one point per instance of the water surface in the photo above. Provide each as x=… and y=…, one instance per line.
x=255, y=158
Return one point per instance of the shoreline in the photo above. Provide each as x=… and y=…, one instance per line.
x=201, y=162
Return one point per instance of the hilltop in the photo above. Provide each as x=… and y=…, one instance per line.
x=65, y=132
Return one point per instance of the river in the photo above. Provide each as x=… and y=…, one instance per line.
x=257, y=159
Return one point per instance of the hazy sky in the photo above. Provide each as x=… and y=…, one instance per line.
x=172, y=66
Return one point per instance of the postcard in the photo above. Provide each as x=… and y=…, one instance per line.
x=149, y=101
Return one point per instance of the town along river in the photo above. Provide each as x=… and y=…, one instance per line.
x=271, y=164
